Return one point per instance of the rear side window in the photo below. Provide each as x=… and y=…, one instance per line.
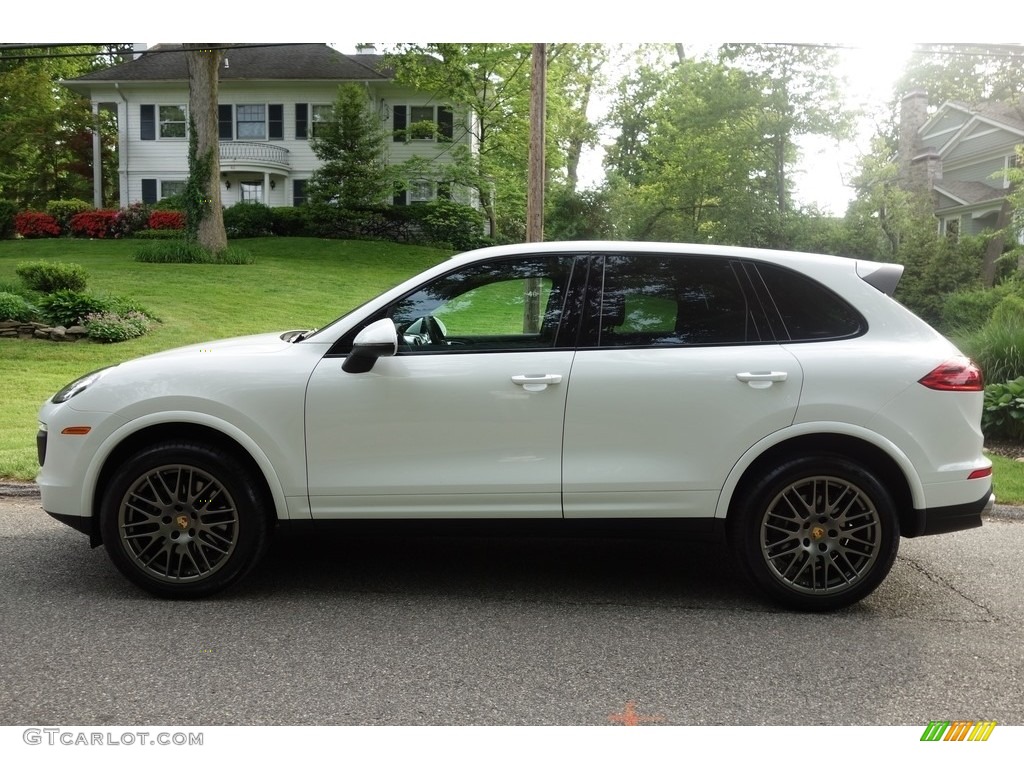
x=809, y=310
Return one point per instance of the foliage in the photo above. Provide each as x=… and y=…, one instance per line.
x=1003, y=414
x=448, y=223
x=52, y=276
x=67, y=308
x=171, y=203
x=95, y=224
x=248, y=220
x=196, y=197
x=181, y=251
x=963, y=72
x=290, y=222
x=970, y=310
x=159, y=234
x=935, y=267
x=36, y=224
x=16, y=307
x=166, y=220
x=998, y=348
x=8, y=210
x=46, y=145
x=577, y=215
x=65, y=210
x=353, y=173
x=112, y=327
x=131, y=220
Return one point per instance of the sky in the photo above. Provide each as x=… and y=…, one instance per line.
x=877, y=37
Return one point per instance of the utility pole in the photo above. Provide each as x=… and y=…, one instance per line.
x=535, y=183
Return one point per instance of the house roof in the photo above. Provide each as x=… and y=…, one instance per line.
x=247, y=61
x=969, y=192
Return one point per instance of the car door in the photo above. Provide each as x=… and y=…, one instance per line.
x=677, y=375
x=466, y=419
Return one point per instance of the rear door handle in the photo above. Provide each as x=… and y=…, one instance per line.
x=762, y=379
x=536, y=382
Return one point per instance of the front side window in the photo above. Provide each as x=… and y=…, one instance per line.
x=172, y=122
x=251, y=121
x=656, y=300
x=505, y=305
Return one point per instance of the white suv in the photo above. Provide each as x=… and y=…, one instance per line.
x=781, y=400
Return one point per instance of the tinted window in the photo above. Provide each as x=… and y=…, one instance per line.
x=655, y=300
x=809, y=310
x=512, y=304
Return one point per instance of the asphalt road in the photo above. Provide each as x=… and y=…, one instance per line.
x=361, y=630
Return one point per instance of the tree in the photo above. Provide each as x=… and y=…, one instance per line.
x=204, y=215
x=354, y=173
x=45, y=144
x=968, y=73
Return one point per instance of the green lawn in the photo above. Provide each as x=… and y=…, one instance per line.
x=295, y=283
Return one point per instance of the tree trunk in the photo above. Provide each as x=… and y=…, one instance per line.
x=203, y=74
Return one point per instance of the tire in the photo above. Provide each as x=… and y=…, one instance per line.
x=817, y=533
x=183, y=519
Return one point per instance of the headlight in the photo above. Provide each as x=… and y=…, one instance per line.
x=78, y=385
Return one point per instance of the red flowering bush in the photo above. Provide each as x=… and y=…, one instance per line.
x=95, y=224
x=166, y=220
x=132, y=219
x=36, y=224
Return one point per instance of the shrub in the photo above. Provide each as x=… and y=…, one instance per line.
x=249, y=220
x=970, y=310
x=458, y=225
x=8, y=210
x=65, y=210
x=290, y=222
x=131, y=220
x=1003, y=415
x=50, y=276
x=36, y=224
x=94, y=224
x=69, y=308
x=170, y=203
x=112, y=327
x=159, y=234
x=16, y=307
x=166, y=220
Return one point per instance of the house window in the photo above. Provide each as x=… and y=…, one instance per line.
x=322, y=115
x=421, y=192
x=170, y=188
x=250, y=121
x=251, y=191
x=422, y=123
x=299, y=192
x=951, y=228
x=172, y=122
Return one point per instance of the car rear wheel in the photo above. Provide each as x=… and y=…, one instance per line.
x=184, y=520
x=817, y=533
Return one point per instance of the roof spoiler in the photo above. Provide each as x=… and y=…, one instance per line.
x=884, y=277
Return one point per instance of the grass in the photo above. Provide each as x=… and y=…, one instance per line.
x=294, y=283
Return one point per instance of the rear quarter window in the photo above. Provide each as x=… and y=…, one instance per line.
x=809, y=311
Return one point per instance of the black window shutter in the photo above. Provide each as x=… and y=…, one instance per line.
x=276, y=122
x=224, y=127
x=147, y=122
x=149, y=191
x=445, y=123
x=399, y=198
x=299, y=192
x=401, y=122
x=301, y=121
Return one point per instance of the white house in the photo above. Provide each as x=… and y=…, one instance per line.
x=272, y=97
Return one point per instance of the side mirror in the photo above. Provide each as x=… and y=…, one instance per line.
x=379, y=339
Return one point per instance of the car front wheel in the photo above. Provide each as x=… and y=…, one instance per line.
x=817, y=533
x=183, y=519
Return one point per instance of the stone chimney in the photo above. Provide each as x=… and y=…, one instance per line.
x=919, y=166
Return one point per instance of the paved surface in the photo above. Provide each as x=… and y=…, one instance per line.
x=424, y=630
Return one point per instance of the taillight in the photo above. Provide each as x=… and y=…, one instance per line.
x=958, y=374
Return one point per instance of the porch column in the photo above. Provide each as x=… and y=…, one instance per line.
x=266, y=188
x=97, y=158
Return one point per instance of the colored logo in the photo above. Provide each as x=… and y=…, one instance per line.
x=958, y=730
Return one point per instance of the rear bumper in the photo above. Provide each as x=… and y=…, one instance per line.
x=959, y=517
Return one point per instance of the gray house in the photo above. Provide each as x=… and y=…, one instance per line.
x=960, y=154
x=272, y=99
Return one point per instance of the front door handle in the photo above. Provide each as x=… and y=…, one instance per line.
x=536, y=382
x=762, y=379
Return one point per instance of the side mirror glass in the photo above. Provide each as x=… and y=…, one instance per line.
x=379, y=339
